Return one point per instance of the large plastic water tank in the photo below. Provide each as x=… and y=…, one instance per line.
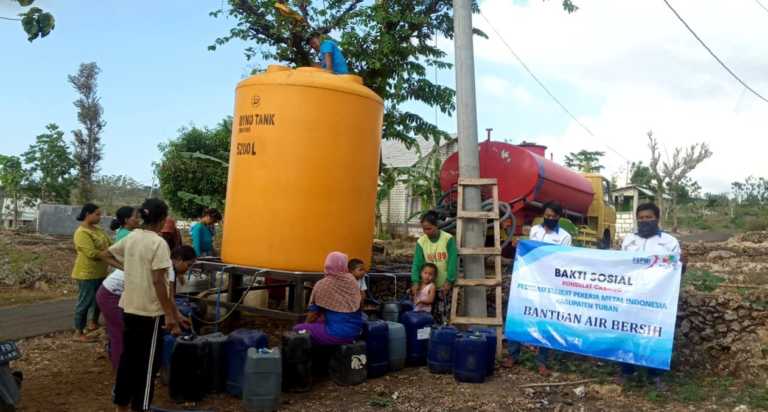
x=303, y=169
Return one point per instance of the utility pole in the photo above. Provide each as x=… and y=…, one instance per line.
x=469, y=162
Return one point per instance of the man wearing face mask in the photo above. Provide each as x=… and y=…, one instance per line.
x=648, y=239
x=548, y=232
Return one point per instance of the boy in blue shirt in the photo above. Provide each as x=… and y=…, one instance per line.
x=331, y=58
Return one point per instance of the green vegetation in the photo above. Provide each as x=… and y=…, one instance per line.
x=189, y=180
x=702, y=280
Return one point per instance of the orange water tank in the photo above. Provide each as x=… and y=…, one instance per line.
x=303, y=169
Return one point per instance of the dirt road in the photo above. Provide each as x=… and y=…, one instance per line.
x=26, y=321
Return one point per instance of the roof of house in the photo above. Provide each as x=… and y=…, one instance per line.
x=643, y=190
x=395, y=154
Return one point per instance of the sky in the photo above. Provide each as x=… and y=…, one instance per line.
x=621, y=67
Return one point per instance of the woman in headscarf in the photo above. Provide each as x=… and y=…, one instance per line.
x=334, y=316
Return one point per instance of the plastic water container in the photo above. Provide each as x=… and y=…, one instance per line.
x=257, y=299
x=236, y=347
x=376, y=334
x=189, y=369
x=390, y=311
x=471, y=358
x=217, y=361
x=440, y=353
x=165, y=360
x=418, y=326
x=397, y=350
x=194, y=282
x=297, y=362
x=490, y=338
x=349, y=364
x=262, y=379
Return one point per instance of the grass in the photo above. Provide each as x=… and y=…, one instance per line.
x=696, y=388
x=702, y=280
x=690, y=387
x=380, y=402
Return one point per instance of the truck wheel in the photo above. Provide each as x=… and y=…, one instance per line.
x=605, y=243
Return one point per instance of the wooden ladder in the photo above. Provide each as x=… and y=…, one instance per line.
x=494, y=251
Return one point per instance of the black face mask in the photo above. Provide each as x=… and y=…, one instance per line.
x=648, y=228
x=551, y=224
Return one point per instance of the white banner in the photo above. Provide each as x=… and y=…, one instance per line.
x=607, y=304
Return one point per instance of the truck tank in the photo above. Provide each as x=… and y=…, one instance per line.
x=525, y=177
x=303, y=169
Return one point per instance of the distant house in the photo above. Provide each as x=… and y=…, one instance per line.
x=626, y=200
x=400, y=210
x=27, y=213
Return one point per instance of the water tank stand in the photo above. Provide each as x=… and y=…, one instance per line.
x=495, y=251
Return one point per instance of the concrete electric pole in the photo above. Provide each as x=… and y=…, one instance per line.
x=469, y=163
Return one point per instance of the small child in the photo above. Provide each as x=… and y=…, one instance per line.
x=357, y=269
x=426, y=295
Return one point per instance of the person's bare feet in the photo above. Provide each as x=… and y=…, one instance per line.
x=92, y=326
x=79, y=336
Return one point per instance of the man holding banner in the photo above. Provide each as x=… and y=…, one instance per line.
x=648, y=239
x=548, y=231
x=615, y=305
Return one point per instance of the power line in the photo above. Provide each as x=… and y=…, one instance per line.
x=9, y=18
x=713, y=54
x=539, y=82
x=761, y=5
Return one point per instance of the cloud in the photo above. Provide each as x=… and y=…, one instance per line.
x=503, y=89
x=647, y=72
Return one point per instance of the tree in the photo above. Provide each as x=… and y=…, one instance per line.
x=50, y=166
x=88, y=147
x=752, y=191
x=640, y=175
x=189, y=179
x=114, y=191
x=585, y=161
x=35, y=22
x=12, y=176
x=423, y=178
x=671, y=173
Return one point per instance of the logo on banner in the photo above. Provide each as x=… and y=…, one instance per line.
x=664, y=261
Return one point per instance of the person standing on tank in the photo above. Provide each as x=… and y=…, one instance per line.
x=147, y=306
x=204, y=231
x=331, y=57
x=649, y=238
x=89, y=270
x=549, y=231
x=439, y=248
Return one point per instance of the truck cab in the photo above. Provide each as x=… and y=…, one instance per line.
x=599, y=229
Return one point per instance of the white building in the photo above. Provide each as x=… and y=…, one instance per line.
x=27, y=210
x=401, y=208
x=627, y=199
